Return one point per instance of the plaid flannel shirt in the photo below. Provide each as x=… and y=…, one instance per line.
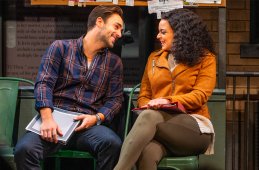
x=65, y=81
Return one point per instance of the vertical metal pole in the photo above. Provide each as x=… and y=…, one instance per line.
x=247, y=125
x=233, y=124
x=222, y=55
x=1, y=39
x=248, y=128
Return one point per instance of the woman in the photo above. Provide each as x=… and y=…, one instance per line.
x=183, y=71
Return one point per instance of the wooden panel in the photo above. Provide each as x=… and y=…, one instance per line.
x=121, y=3
x=65, y=2
x=223, y=4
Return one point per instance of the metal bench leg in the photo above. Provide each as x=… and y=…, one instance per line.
x=57, y=163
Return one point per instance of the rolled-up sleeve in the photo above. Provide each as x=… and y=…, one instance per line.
x=114, y=96
x=47, y=76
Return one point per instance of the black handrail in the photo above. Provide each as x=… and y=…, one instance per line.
x=248, y=117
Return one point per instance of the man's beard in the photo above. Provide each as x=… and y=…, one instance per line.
x=106, y=42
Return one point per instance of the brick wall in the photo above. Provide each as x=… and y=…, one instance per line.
x=238, y=32
x=238, y=27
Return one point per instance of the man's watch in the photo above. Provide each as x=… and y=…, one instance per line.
x=99, y=120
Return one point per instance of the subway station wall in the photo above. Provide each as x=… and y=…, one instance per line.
x=28, y=31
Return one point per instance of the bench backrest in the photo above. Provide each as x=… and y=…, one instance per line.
x=8, y=100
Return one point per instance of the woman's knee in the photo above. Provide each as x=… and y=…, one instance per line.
x=150, y=116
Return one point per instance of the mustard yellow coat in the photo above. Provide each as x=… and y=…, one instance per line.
x=191, y=86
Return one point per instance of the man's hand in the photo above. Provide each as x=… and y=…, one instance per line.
x=87, y=121
x=49, y=129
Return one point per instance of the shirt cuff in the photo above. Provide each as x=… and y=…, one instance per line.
x=107, y=113
x=43, y=104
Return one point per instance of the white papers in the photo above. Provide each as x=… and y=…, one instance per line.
x=64, y=119
x=86, y=1
x=158, y=6
x=71, y=3
x=115, y=2
x=129, y=2
x=206, y=1
x=103, y=0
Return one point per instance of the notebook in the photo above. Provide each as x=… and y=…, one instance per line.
x=65, y=120
x=175, y=107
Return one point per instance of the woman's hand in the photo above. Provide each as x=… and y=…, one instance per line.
x=156, y=103
x=87, y=121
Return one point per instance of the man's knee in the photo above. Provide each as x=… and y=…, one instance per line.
x=21, y=149
x=113, y=143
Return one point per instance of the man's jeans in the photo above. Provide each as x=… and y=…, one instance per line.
x=100, y=141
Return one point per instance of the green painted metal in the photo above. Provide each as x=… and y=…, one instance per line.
x=218, y=114
x=129, y=109
x=179, y=163
x=8, y=102
x=217, y=108
x=71, y=154
x=16, y=79
x=8, y=98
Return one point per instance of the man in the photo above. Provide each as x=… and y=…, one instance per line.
x=79, y=75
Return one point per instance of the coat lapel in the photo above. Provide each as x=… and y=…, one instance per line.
x=179, y=69
x=162, y=61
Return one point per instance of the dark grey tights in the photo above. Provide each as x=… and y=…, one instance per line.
x=156, y=134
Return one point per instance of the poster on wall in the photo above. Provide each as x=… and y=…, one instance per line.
x=27, y=40
x=158, y=6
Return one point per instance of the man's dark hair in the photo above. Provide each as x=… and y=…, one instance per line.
x=104, y=12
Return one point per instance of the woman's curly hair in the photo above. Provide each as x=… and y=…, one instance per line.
x=191, y=37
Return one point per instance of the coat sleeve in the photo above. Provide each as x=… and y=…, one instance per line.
x=203, y=87
x=145, y=94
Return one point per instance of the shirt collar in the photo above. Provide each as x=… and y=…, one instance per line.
x=80, y=45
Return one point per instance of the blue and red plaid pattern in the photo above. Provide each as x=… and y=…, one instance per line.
x=65, y=81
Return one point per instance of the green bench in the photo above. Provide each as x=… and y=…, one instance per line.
x=8, y=102
x=216, y=106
